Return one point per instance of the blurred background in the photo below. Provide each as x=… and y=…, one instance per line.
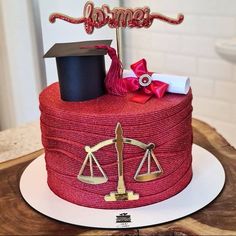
x=203, y=48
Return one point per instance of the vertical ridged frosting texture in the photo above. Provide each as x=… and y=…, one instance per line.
x=67, y=127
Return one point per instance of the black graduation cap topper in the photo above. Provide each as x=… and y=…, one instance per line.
x=81, y=69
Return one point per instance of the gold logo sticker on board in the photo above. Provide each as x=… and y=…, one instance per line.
x=121, y=194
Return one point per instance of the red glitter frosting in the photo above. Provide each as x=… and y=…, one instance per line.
x=67, y=127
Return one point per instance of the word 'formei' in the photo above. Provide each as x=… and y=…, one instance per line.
x=95, y=17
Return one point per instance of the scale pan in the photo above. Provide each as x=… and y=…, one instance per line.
x=148, y=177
x=92, y=179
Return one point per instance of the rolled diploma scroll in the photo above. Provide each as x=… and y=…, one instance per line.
x=177, y=84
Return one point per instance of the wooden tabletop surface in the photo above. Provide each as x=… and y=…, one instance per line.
x=218, y=218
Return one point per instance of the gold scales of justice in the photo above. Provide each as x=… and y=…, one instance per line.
x=121, y=194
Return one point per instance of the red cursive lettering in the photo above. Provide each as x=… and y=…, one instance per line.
x=95, y=17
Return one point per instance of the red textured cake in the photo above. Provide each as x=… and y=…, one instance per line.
x=85, y=142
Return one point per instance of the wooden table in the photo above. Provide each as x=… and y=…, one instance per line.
x=218, y=218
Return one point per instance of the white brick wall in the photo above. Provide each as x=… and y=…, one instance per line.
x=188, y=49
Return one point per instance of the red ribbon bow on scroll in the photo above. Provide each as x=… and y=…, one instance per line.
x=144, y=84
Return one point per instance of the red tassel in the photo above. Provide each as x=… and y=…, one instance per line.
x=114, y=83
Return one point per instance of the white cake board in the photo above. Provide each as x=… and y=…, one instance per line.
x=207, y=182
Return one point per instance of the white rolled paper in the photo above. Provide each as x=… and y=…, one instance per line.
x=177, y=84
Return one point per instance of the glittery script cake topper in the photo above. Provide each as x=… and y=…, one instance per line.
x=95, y=17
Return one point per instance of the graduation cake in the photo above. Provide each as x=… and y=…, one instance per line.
x=114, y=140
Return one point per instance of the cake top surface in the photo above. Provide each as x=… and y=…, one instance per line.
x=111, y=106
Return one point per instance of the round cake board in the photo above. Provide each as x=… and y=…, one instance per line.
x=207, y=182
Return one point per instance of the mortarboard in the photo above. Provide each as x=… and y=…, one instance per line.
x=81, y=70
